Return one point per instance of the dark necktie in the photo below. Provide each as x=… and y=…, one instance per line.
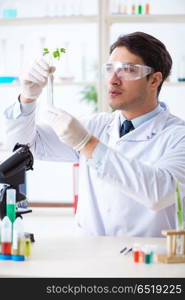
x=126, y=127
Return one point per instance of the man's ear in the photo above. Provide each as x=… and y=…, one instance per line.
x=156, y=79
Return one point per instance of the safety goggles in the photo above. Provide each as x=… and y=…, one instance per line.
x=127, y=71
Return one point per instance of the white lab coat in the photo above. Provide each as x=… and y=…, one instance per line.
x=133, y=192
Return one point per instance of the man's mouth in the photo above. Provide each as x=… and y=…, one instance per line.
x=114, y=93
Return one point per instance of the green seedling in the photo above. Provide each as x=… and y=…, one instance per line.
x=56, y=53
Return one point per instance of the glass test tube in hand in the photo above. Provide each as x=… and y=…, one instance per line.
x=50, y=90
x=50, y=99
x=55, y=54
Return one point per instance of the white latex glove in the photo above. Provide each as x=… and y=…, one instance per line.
x=35, y=78
x=68, y=129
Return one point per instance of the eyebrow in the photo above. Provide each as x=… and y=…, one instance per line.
x=123, y=62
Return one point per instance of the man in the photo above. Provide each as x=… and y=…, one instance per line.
x=131, y=159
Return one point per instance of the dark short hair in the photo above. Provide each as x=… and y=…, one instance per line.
x=152, y=51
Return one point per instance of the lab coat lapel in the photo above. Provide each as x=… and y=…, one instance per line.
x=113, y=130
x=143, y=133
x=149, y=129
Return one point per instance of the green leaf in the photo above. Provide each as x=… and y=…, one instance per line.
x=45, y=51
x=62, y=50
x=56, y=53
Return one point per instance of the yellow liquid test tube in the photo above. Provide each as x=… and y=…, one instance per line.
x=18, y=240
x=27, y=247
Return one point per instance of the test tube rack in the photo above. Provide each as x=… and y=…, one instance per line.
x=171, y=243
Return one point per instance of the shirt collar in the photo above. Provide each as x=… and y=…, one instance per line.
x=143, y=118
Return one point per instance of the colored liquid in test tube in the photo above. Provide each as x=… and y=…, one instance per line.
x=147, y=8
x=6, y=248
x=147, y=258
x=136, y=253
x=6, y=236
x=148, y=254
x=11, y=204
x=140, y=9
x=136, y=256
x=133, y=9
x=27, y=247
x=18, y=238
x=0, y=234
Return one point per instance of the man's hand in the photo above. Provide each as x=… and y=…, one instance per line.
x=68, y=129
x=34, y=80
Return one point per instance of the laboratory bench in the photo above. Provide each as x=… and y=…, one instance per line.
x=57, y=252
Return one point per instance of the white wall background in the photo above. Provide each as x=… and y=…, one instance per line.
x=50, y=182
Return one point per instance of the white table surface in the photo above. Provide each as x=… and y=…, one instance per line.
x=57, y=253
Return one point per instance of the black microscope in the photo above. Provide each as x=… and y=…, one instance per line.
x=12, y=175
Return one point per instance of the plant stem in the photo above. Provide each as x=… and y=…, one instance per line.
x=179, y=209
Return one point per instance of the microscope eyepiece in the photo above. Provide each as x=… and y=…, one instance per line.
x=26, y=153
x=21, y=159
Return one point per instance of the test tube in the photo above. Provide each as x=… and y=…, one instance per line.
x=0, y=234
x=133, y=9
x=153, y=249
x=147, y=8
x=50, y=89
x=6, y=236
x=3, y=57
x=160, y=253
x=181, y=69
x=66, y=74
x=11, y=204
x=114, y=7
x=140, y=8
x=27, y=246
x=50, y=97
x=122, y=7
x=18, y=240
x=75, y=185
x=147, y=254
x=136, y=253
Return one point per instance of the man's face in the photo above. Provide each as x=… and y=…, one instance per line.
x=127, y=95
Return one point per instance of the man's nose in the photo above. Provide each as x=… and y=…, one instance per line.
x=114, y=79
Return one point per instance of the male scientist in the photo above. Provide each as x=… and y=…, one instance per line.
x=130, y=159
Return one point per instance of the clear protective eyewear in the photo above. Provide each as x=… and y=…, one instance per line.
x=127, y=71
